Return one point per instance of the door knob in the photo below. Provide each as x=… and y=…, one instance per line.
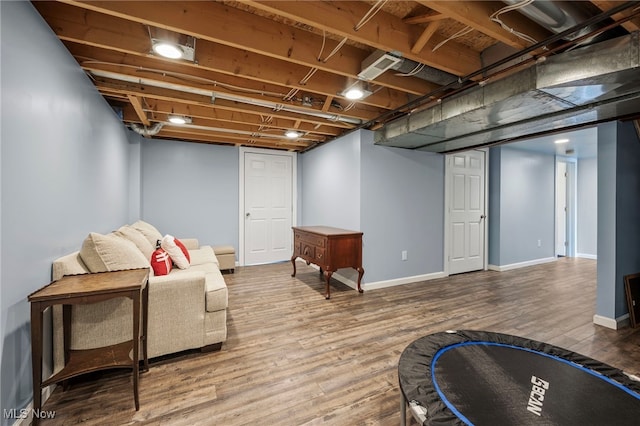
x=248, y=214
x=483, y=216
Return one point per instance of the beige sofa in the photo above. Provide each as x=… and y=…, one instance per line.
x=187, y=307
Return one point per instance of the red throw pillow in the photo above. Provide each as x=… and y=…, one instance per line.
x=161, y=262
x=184, y=249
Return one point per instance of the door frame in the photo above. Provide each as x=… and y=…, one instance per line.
x=241, y=191
x=447, y=213
x=571, y=204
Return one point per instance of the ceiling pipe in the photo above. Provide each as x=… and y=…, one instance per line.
x=219, y=95
x=558, y=16
x=146, y=131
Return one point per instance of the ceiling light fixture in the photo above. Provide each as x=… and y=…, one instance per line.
x=179, y=119
x=292, y=134
x=358, y=90
x=561, y=141
x=167, y=50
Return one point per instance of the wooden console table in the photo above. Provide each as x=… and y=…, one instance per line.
x=330, y=249
x=83, y=289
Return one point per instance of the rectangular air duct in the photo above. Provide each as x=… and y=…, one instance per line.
x=597, y=83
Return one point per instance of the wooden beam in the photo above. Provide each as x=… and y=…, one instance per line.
x=383, y=31
x=426, y=35
x=631, y=25
x=425, y=19
x=136, y=103
x=227, y=38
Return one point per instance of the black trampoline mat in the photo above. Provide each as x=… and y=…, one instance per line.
x=480, y=381
x=482, y=378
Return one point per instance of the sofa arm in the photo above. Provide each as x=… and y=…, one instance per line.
x=176, y=312
x=190, y=243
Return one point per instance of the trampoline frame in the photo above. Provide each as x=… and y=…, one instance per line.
x=429, y=348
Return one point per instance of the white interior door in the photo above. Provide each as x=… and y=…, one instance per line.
x=267, y=208
x=466, y=211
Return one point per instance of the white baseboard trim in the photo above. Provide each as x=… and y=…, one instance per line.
x=382, y=284
x=587, y=256
x=614, y=324
x=405, y=280
x=511, y=266
x=26, y=414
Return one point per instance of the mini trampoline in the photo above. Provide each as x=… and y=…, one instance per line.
x=482, y=378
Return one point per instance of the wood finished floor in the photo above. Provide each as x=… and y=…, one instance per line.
x=294, y=358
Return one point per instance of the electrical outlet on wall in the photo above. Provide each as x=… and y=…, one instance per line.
x=539, y=243
x=404, y=255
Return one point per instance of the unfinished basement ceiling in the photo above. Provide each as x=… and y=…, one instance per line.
x=261, y=68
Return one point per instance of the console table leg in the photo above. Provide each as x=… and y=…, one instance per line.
x=135, y=340
x=36, y=356
x=328, y=274
x=293, y=262
x=360, y=274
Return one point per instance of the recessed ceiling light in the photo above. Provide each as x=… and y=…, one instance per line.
x=168, y=50
x=561, y=141
x=292, y=134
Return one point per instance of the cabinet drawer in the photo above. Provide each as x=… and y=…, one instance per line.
x=306, y=250
x=319, y=254
x=310, y=239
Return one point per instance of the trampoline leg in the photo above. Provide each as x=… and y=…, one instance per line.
x=403, y=410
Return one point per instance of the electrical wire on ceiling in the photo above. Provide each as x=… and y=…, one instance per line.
x=464, y=31
x=416, y=70
x=495, y=17
x=370, y=14
x=366, y=18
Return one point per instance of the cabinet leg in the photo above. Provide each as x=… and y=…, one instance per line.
x=360, y=274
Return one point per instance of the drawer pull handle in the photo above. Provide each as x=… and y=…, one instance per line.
x=319, y=255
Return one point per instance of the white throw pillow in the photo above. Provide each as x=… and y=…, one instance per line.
x=169, y=245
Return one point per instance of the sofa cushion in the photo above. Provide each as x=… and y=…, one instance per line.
x=136, y=237
x=176, y=250
x=204, y=254
x=102, y=253
x=149, y=231
x=216, y=294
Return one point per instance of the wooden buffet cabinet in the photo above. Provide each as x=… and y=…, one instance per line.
x=330, y=249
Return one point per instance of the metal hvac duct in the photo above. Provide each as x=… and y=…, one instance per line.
x=599, y=82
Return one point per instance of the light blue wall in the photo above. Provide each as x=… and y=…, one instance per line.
x=402, y=208
x=330, y=188
x=587, y=208
x=526, y=206
x=493, y=215
x=618, y=207
x=66, y=171
x=190, y=190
